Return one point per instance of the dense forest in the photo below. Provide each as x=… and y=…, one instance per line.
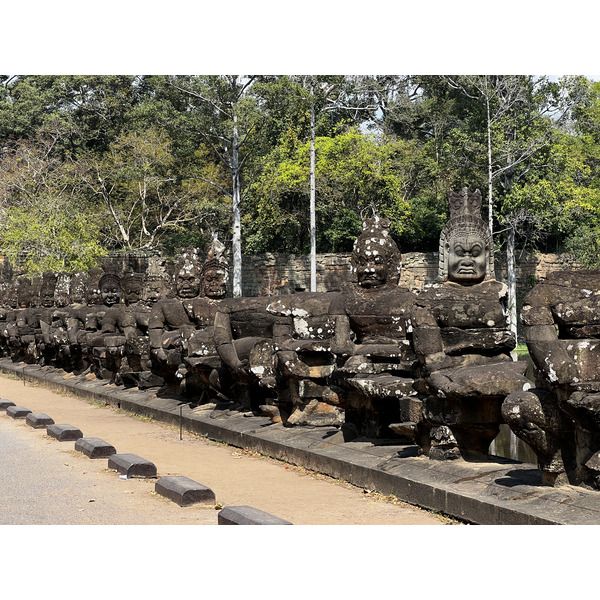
x=90, y=164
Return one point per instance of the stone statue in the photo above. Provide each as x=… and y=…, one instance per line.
x=246, y=335
x=373, y=335
x=463, y=341
x=560, y=418
x=201, y=360
x=105, y=361
x=170, y=323
x=302, y=363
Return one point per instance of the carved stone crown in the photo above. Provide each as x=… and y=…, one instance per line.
x=465, y=203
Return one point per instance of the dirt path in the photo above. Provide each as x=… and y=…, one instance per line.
x=237, y=477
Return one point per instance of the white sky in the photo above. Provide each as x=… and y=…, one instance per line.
x=309, y=36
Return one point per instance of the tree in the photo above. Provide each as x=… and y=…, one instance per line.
x=142, y=191
x=45, y=216
x=354, y=173
x=227, y=120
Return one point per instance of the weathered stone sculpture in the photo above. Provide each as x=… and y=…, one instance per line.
x=96, y=337
x=170, y=324
x=200, y=353
x=246, y=336
x=373, y=333
x=463, y=341
x=299, y=371
x=560, y=419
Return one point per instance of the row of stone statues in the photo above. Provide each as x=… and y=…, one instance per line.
x=376, y=358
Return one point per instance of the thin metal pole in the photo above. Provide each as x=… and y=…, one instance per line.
x=181, y=422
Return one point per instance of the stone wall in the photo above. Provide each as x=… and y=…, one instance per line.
x=281, y=274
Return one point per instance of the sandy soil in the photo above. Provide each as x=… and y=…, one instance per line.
x=237, y=477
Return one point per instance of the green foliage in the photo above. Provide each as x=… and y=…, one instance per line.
x=355, y=174
x=95, y=163
x=55, y=237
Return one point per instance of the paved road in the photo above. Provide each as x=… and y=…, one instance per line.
x=46, y=482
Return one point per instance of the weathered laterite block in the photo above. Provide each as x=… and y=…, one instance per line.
x=4, y=403
x=247, y=515
x=184, y=491
x=132, y=465
x=64, y=433
x=18, y=412
x=39, y=420
x=95, y=447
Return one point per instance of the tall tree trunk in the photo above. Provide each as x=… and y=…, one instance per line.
x=313, y=217
x=489, y=141
x=237, y=221
x=512, y=280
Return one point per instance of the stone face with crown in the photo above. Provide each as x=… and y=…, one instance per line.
x=463, y=341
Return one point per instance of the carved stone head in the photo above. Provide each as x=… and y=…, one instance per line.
x=24, y=292
x=110, y=289
x=48, y=287
x=215, y=271
x=188, y=274
x=466, y=250
x=79, y=282
x=157, y=282
x=94, y=295
x=62, y=291
x=133, y=288
x=376, y=259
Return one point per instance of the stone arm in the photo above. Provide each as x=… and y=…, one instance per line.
x=549, y=355
x=74, y=326
x=343, y=338
x=156, y=326
x=46, y=327
x=110, y=322
x=427, y=339
x=226, y=348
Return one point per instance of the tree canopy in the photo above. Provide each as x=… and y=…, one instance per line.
x=90, y=164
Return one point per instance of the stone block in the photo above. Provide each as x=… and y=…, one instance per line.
x=132, y=465
x=64, y=433
x=4, y=404
x=39, y=420
x=17, y=412
x=94, y=447
x=247, y=515
x=184, y=491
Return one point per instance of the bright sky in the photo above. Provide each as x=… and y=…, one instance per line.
x=311, y=36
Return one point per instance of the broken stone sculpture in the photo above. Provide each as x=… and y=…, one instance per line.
x=246, y=337
x=560, y=418
x=303, y=362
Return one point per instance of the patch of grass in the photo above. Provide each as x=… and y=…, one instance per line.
x=522, y=350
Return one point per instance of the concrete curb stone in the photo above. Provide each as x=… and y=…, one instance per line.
x=132, y=465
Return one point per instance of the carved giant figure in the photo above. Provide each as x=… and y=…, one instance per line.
x=560, y=418
x=463, y=341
